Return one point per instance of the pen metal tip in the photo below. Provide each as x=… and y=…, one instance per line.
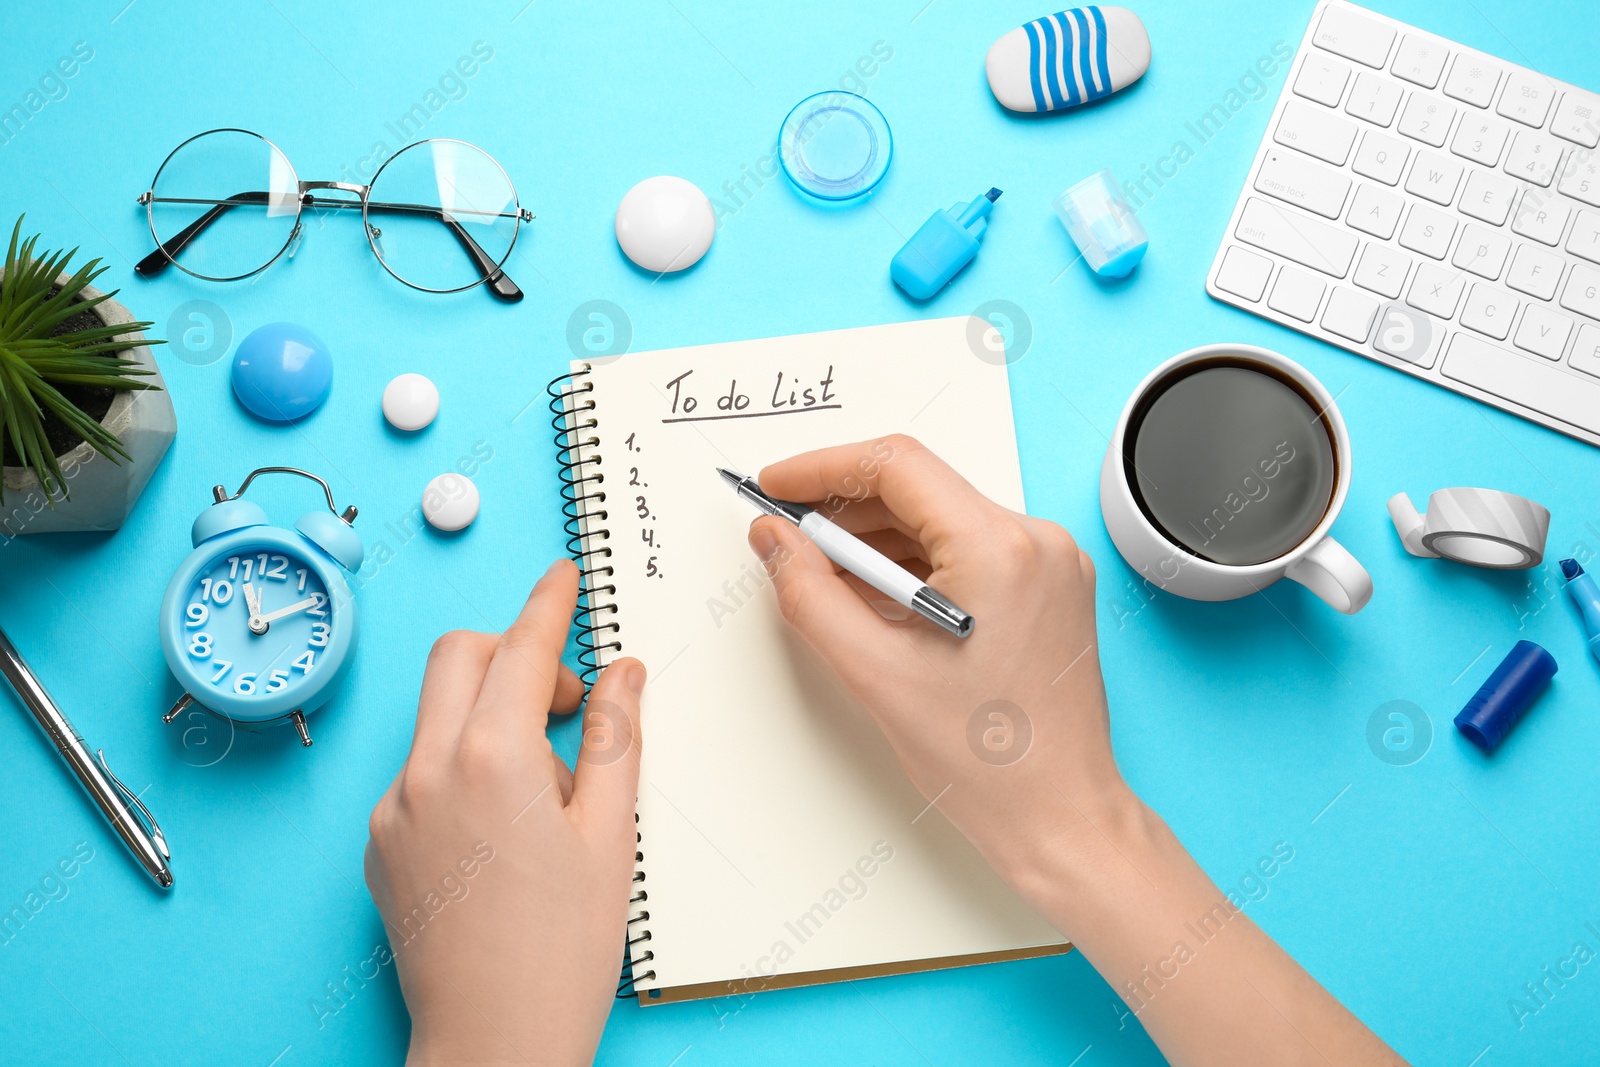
x=733, y=478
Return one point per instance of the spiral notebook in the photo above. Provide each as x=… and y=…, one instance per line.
x=780, y=844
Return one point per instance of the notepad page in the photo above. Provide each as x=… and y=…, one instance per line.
x=778, y=833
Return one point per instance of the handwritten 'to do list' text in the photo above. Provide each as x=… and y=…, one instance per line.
x=788, y=396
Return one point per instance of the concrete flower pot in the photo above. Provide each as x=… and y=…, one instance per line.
x=102, y=492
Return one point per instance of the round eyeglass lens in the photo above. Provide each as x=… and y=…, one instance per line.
x=224, y=204
x=442, y=215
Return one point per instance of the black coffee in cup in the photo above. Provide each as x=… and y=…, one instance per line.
x=1232, y=460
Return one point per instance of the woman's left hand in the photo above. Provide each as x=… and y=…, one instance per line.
x=503, y=878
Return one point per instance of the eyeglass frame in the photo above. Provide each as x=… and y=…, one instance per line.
x=500, y=284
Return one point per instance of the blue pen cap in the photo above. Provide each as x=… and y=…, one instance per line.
x=1102, y=225
x=1506, y=697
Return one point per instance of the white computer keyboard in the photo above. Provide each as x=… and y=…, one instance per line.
x=1432, y=208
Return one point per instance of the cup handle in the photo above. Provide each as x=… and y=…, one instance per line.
x=1331, y=572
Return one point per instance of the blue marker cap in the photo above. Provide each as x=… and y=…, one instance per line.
x=944, y=245
x=1506, y=696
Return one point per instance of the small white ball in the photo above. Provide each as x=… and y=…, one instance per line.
x=665, y=224
x=410, y=402
x=450, y=502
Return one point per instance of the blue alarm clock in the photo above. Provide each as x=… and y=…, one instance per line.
x=258, y=624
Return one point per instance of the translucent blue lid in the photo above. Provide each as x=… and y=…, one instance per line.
x=835, y=145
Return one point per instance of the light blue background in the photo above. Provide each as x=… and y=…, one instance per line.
x=1424, y=896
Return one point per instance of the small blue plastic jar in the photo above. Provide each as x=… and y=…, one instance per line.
x=835, y=146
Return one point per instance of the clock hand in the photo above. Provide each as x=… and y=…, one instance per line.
x=252, y=599
x=308, y=602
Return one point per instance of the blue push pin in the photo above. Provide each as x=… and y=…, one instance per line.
x=944, y=245
x=282, y=372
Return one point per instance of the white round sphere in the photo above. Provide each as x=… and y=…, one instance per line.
x=665, y=224
x=410, y=402
x=450, y=502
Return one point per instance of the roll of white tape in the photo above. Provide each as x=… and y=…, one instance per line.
x=1479, y=527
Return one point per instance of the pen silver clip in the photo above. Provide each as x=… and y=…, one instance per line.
x=149, y=820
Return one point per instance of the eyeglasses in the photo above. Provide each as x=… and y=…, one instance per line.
x=226, y=204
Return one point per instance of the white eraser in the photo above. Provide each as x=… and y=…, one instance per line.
x=1072, y=57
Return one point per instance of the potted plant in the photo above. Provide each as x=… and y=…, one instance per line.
x=84, y=415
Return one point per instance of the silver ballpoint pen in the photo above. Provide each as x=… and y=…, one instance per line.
x=857, y=557
x=121, y=808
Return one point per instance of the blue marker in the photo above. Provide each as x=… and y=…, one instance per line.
x=1585, y=593
x=944, y=245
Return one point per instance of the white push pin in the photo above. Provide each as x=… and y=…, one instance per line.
x=410, y=402
x=450, y=502
x=665, y=224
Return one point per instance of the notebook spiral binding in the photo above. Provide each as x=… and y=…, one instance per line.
x=594, y=620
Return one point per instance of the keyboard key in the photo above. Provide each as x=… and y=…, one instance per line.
x=1526, y=98
x=1480, y=139
x=1244, y=273
x=1535, y=272
x=1578, y=118
x=1427, y=119
x=1489, y=311
x=1381, y=157
x=1580, y=178
x=1349, y=314
x=1322, y=78
x=1316, y=132
x=1488, y=197
x=1291, y=177
x=1543, y=332
x=1428, y=231
x=1482, y=251
x=1472, y=79
x=1374, y=99
x=1420, y=60
x=1298, y=237
x=1296, y=293
x=1530, y=382
x=1586, y=352
x=1408, y=335
x=1382, y=270
x=1436, y=290
x=1354, y=36
x=1376, y=211
x=1434, y=177
x=1533, y=157
x=1584, y=240
x=1541, y=217
x=1582, y=293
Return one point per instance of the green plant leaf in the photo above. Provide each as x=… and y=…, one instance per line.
x=36, y=362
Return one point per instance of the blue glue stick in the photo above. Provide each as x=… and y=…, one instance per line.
x=1506, y=697
x=945, y=244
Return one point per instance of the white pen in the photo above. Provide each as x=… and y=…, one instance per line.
x=857, y=557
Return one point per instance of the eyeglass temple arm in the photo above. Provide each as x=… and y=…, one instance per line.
x=162, y=257
x=500, y=284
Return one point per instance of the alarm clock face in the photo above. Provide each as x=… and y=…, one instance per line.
x=255, y=629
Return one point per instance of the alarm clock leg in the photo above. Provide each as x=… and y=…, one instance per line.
x=177, y=709
x=299, y=721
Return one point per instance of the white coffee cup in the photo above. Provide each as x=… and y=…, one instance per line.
x=1318, y=562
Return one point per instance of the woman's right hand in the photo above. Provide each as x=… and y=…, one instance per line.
x=990, y=728
x=1007, y=733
